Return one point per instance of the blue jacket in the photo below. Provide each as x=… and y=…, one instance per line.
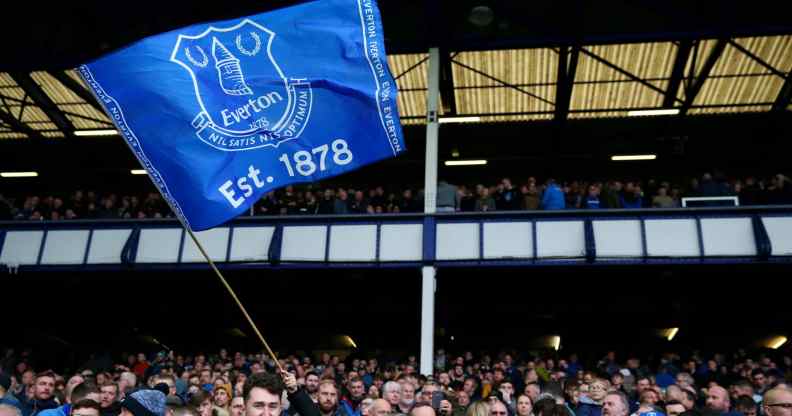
x=588, y=407
x=58, y=411
x=553, y=198
x=11, y=401
x=31, y=407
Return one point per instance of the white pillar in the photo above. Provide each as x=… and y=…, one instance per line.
x=432, y=127
x=427, y=319
x=430, y=207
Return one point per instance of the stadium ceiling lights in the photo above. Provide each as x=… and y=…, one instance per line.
x=776, y=342
x=465, y=162
x=670, y=333
x=633, y=157
x=658, y=112
x=18, y=174
x=102, y=132
x=138, y=171
x=469, y=119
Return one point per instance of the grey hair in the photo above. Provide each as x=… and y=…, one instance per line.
x=391, y=386
x=623, y=398
x=14, y=411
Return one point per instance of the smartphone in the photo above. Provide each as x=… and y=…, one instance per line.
x=437, y=397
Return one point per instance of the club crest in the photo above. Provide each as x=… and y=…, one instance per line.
x=246, y=101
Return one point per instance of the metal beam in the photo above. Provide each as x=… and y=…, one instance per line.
x=504, y=83
x=757, y=59
x=447, y=96
x=19, y=126
x=77, y=88
x=567, y=68
x=44, y=102
x=677, y=72
x=784, y=96
x=701, y=78
x=622, y=71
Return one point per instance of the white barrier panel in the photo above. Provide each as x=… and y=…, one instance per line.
x=214, y=241
x=21, y=247
x=250, y=243
x=159, y=245
x=401, y=242
x=779, y=229
x=65, y=247
x=504, y=240
x=304, y=243
x=728, y=237
x=353, y=243
x=560, y=239
x=672, y=238
x=618, y=238
x=457, y=241
x=106, y=246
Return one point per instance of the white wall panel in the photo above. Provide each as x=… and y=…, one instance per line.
x=353, y=243
x=779, y=230
x=728, y=237
x=618, y=238
x=159, y=245
x=304, y=243
x=250, y=244
x=214, y=241
x=21, y=247
x=560, y=239
x=672, y=238
x=401, y=242
x=65, y=247
x=504, y=240
x=107, y=245
x=457, y=241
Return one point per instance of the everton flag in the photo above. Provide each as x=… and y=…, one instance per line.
x=221, y=113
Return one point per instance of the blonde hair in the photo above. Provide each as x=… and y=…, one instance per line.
x=479, y=408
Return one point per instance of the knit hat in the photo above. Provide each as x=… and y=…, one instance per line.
x=145, y=403
x=5, y=381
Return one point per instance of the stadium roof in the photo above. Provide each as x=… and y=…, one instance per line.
x=531, y=62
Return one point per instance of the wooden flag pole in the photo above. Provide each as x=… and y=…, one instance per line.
x=233, y=295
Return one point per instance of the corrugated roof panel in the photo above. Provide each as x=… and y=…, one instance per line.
x=412, y=103
x=502, y=100
x=517, y=117
x=85, y=110
x=740, y=90
x=75, y=76
x=42, y=125
x=53, y=134
x=700, y=53
x=644, y=60
x=58, y=93
x=775, y=50
x=522, y=67
x=615, y=95
x=13, y=92
x=416, y=78
x=737, y=109
x=734, y=62
x=12, y=135
x=32, y=113
x=6, y=80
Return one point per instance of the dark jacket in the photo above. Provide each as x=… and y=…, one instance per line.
x=31, y=407
x=588, y=407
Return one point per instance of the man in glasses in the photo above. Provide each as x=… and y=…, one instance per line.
x=778, y=402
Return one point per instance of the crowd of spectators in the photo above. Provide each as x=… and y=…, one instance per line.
x=502, y=196
x=465, y=384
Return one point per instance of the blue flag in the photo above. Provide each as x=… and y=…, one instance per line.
x=221, y=113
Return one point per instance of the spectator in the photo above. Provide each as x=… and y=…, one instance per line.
x=718, y=400
x=448, y=198
x=485, y=202
x=507, y=198
x=553, y=197
x=41, y=394
x=6, y=398
x=592, y=200
x=662, y=200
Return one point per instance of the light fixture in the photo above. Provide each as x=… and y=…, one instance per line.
x=555, y=341
x=351, y=341
x=465, y=162
x=102, y=132
x=464, y=119
x=657, y=112
x=633, y=157
x=138, y=171
x=670, y=333
x=776, y=342
x=18, y=174
x=455, y=152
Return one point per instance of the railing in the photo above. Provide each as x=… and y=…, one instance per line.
x=572, y=237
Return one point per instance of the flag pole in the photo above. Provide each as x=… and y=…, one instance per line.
x=231, y=292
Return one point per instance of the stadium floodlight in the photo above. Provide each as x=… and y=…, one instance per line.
x=18, y=174
x=671, y=333
x=555, y=340
x=465, y=162
x=138, y=171
x=657, y=112
x=633, y=157
x=101, y=132
x=465, y=119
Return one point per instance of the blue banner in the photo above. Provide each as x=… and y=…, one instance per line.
x=221, y=113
